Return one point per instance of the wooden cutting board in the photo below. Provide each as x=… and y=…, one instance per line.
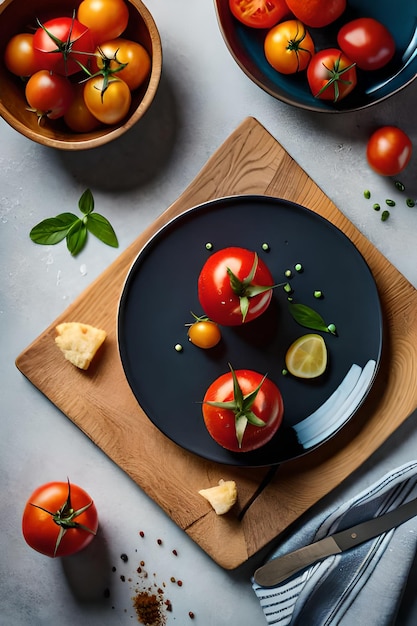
x=250, y=161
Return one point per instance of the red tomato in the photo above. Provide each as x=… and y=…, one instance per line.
x=49, y=94
x=317, y=13
x=367, y=42
x=75, y=45
x=124, y=51
x=256, y=413
x=259, y=13
x=106, y=19
x=389, y=150
x=108, y=103
x=234, y=286
x=77, y=117
x=59, y=519
x=289, y=47
x=19, y=55
x=331, y=75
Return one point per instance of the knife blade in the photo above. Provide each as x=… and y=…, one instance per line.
x=280, y=568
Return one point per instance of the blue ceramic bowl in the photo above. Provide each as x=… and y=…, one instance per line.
x=399, y=16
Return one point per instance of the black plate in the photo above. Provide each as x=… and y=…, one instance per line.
x=161, y=290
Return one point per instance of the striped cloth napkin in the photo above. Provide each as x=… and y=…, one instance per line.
x=362, y=586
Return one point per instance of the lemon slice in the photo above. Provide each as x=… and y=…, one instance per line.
x=307, y=356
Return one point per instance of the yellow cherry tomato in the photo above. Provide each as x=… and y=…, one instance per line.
x=110, y=104
x=204, y=334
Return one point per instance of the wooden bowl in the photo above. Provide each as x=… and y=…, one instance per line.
x=17, y=16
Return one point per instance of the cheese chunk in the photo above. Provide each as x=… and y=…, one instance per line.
x=221, y=497
x=79, y=342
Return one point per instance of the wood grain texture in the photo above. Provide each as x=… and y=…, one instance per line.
x=249, y=161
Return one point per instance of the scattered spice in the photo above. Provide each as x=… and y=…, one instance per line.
x=141, y=533
x=179, y=583
x=209, y=246
x=159, y=542
x=148, y=608
x=265, y=247
x=178, y=347
x=191, y=615
x=174, y=552
x=124, y=558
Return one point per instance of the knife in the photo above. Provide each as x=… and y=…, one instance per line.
x=282, y=567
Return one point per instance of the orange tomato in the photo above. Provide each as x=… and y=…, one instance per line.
x=289, y=47
x=77, y=117
x=136, y=57
x=106, y=19
x=317, y=13
x=108, y=103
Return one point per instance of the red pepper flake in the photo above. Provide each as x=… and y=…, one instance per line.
x=179, y=583
x=191, y=615
x=175, y=553
x=168, y=605
x=142, y=563
x=141, y=533
x=159, y=542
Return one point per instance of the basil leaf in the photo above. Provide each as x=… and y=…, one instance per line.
x=86, y=202
x=76, y=237
x=53, y=230
x=100, y=226
x=307, y=317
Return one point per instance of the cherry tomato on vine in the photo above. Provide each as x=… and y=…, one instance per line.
x=317, y=13
x=19, y=56
x=204, y=333
x=259, y=13
x=106, y=19
x=242, y=410
x=48, y=94
x=77, y=117
x=367, y=42
x=61, y=44
x=389, y=150
x=109, y=104
x=131, y=53
x=331, y=75
x=234, y=286
x=59, y=519
x=289, y=47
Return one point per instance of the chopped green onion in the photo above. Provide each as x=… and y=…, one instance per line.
x=410, y=202
x=385, y=216
x=399, y=185
x=377, y=206
x=390, y=202
x=367, y=194
x=265, y=247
